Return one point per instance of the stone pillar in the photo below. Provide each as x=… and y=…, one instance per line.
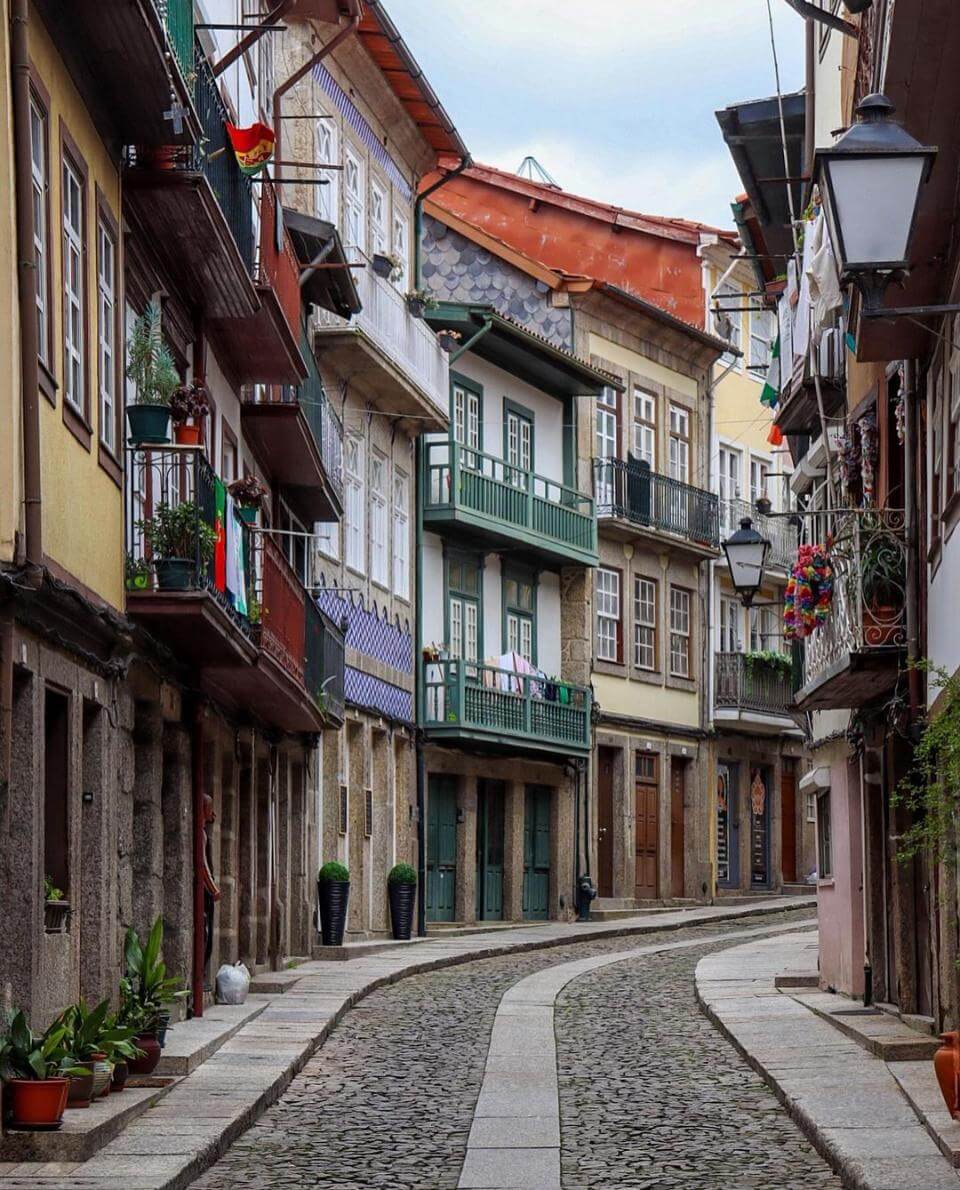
x=576, y=624
x=148, y=827
x=514, y=809
x=227, y=873
x=213, y=787
x=357, y=744
x=98, y=856
x=561, y=850
x=382, y=842
x=282, y=805
x=177, y=805
x=300, y=835
x=262, y=862
x=246, y=854
x=466, y=891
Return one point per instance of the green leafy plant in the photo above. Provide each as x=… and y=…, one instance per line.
x=136, y=573
x=146, y=987
x=150, y=364
x=248, y=491
x=90, y=1031
x=178, y=531
x=25, y=1054
x=50, y=890
x=189, y=402
x=402, y=874
x=768, y=659
x=332, y=872
x=883, y=571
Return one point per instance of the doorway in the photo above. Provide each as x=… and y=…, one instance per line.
x=728, y=827
x=441, y=848
x=646, y=833
x=788, y=822
x=678, y=778
x=489, y=850
x=536, y=853
x=606, y=762
x=759, y=795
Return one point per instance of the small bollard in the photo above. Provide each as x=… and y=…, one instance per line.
x=585, y=894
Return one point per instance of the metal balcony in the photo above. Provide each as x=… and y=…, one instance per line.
x=749, y=689
x=630, y=497
x=778, y=531
x=506, y=506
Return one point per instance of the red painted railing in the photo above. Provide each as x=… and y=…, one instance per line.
x=282, y=632
x=279, y=267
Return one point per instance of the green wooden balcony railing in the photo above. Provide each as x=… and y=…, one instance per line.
x=178, y=19
x=471, y=699
x=464, y=484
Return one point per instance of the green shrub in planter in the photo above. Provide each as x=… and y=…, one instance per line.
x=402, y=887
x=333, y=893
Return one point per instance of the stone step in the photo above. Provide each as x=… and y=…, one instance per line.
x=797, y=979
x=275, y=983
x=918, y=1082
x=604, y=903
x=191, y=1042
x=878, y=1032
x=799, y=889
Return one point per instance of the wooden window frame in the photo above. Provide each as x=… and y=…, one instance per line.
x=688, y=635
x=329, y=212
x=77, y=420
x=616, y=408
x=473, y=388
x=530, y=578
x=381, y=503
x=522, y=413
x=382, y=188
x=685, y=439
x=640, y=393
x=618, y=660
x=109, y=457
x=356, y=479
x=400, y=525
x=475, y=561
x=40, y=97
x=639, y=623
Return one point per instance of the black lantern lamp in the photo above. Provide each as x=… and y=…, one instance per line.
x=746, y=552
x=870, y=184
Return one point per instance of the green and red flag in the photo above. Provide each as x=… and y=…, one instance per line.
x=253, y=146
x=771, y=388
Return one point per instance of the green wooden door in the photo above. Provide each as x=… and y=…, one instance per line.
x=536, y=853
x=489, y=851
x=441, y=848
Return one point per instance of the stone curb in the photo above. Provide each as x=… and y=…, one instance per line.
x=109, y=1171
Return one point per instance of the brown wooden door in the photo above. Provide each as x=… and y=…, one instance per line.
x=788, y=823
x=606, y=758
x=678, y=771
x=646, y=827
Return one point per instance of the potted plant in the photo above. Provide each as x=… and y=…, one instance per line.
x=882, y=583
x=136, y=573
x=386, y=266
x=56, y=908
x=419, y=301
x=769, y=661
x=95, y=1040
x=448, y=340
x=178, y=539
x=144, y=990
x=402, y=886
x=333, y=893
x=189, y=405
x=247, y=493
x=36, y=1070
x=154, y=374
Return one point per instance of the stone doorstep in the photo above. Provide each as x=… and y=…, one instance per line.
x=919, y=1085
x=191, y=1042
x=274, y=983
x=797, y=980
x=85, y=1130
x=883, y=1036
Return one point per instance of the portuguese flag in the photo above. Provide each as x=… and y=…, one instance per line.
x=253, y=146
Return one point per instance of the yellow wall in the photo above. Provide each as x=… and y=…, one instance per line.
x=633, y=361
x=10, y=454
x=82, y=505
x=620, y=696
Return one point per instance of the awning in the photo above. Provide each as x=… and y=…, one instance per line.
x=332, y=288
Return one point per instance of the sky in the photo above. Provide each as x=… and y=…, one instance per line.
x=620, y=108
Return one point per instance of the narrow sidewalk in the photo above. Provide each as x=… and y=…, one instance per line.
x=848, y=1102
x=197, y=1119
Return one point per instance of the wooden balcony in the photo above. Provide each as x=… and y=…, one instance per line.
x=505, y=507
x=480, y=705
x=752, y=692
x=632, y=499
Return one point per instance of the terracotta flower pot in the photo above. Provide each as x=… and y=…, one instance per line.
x=119, y=1080
x=946, y=1067
x=80, y=1090
x=186, y=435
x=38, y=1102
x=151, y=1054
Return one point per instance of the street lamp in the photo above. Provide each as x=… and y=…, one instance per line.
x=746, y=554
x=870, y=183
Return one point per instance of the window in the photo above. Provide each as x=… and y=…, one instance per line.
x=39, y=168
x=328, y=538
x=936, y=476
x=379, y=562
x=953, y=416
x=824, y=837
x=679, y=443
x=401, y=535
x=293, y=542
x=764, y=630
x=607, y=448
x=107, y=332
x=229, y=455
x=326, y=146
x=467, y=419
x=74, y=379
x=518, y=441
x=762, y=333
x=731, y=612
x=645, y=427
x=135, y=489
x=368, y=812
x=609, y=626
x=728, y=318
x=730, y=461
x=759, y=472
x=379, y=237
x=645, y=623
x=354, y=206
x=520, y=615
x=343, y=815
x=464, y=578
x=811, y=805
x=355, y=504
x=679, y=632
x=56, y=778
x=401, y=248
x=267, y=85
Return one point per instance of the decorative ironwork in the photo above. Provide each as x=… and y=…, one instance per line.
x=751, y=685
x=631, y=491
x=324, y=671
x=779, y=532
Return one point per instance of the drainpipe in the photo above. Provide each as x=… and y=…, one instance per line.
x=465, y=163
x=465, y=347
x=27, y=287
x=199, y=860
x=810, y=99
x=418, y=681
x=355, y=14
x=910, y=509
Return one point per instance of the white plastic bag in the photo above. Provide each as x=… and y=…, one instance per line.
x=233, y=983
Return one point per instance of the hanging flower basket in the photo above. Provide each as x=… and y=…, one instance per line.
x=809, y=592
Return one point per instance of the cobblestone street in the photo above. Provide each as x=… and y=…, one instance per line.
x=650, y=1094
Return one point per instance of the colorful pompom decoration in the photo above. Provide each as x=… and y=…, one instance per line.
x=809, y=592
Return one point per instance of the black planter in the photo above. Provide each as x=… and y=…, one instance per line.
x=149, y=423
x=333, y=896
x=416, y=306
x=382, y=265
x=55, y=914
x=174, y=574
x=163, y=1024
x=402, y=899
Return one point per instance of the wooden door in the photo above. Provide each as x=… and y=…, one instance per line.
x=788, y=822
x=606, y=758
x=536, y=853
x=489, y=851
x=678, y=773
x=759, y=795
x=441, y=848
x=646, y=833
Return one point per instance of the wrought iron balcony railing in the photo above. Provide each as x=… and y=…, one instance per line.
x=505, y=498
x=777, y=530
x=324, y=667
x=482, y=700
x=631, y=491
x=177, y=18
x=745, y=683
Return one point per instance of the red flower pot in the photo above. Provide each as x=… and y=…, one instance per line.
x=38, y=1101
x=186, y=435
x=946, y=1068
x=151, y=1054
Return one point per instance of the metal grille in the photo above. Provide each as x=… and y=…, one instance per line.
x=342, y=824
x=631, y=491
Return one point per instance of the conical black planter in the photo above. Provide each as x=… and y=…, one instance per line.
x=333, y=896
x=402, y=899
